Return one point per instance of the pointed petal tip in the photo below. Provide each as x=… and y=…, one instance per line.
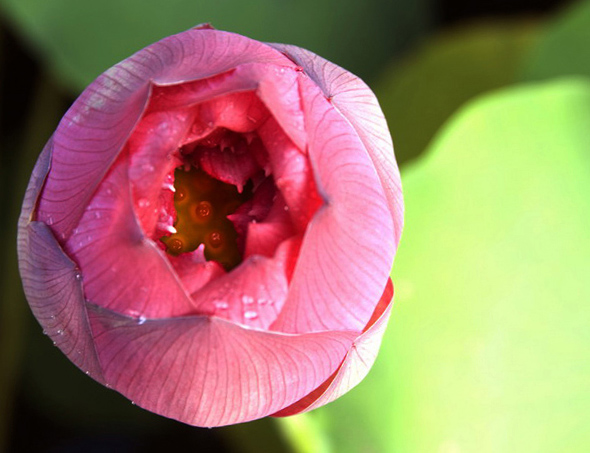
x=203, y=26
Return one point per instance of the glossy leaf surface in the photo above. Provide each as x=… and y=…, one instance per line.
x=449, y=69
x=489, y=346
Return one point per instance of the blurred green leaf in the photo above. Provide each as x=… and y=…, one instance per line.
x=419, y=95
x=24, y=142
x=489, y=345
x=81, y=39
x=563, y=48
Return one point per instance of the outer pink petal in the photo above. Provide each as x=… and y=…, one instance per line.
x=51, y=281
x=122, y=268
x=208, y=372
x=53, y=287
x=348, y=250
x=355, y=366
x=357, y=103
x=93, y=131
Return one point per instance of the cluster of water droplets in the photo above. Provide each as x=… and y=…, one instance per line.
x=250, y=306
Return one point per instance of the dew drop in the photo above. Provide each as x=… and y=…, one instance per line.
x=250, y=315
x=143, y=203
x=168, y=228
x=141, y=320
x=97, y=215
x=60, y=332
x=78, y=276
x=147, y=167
x=49, y=220
x=169, y=187
x=247, y=300
x=221, y=305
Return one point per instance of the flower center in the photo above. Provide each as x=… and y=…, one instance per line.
x=202, y=205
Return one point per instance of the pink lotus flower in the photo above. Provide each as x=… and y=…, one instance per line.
x=210, y=229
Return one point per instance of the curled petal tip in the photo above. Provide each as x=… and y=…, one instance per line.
x=203, y=26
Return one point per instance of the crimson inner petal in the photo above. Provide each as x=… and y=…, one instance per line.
x=228, y=187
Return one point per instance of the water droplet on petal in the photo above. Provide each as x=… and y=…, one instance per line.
x=143, y=202
x=141, y=320
x=49, y=220
x=250, y=315
x=221, y=305
x=247, y=300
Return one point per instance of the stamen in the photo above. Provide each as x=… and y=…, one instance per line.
x=203, y=205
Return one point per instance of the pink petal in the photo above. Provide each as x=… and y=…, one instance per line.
x=348, y=249
x=357, y=103
x=95, y=128
x=123, y=269
x=194, y=271
x=264, y=237
x=53, y=287
x=275, y=84
x=152, y=145
x=209, y=372
x=234, y=165
x=35, y=187
x=252, y=294
x=355, y=366
x=292, y=173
